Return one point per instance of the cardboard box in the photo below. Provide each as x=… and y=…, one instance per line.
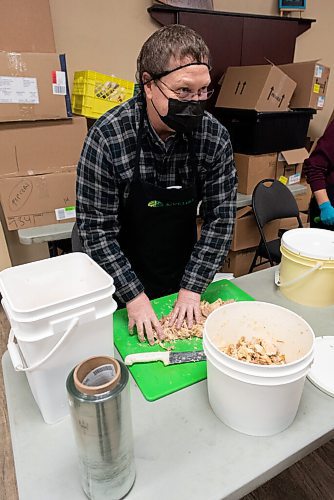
x=291, y=222
x=254, y=168
x=26, y=26
x=246, y=233
x=4, y=253
x=22, y=254
x=33, y=87
x=40, y=147
x=263, y=88
x=290, y=165
x=303, y=200
x=38, y=200
x=239, y=262
x=312, y=82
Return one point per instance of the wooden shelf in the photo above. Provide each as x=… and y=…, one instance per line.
x=159, y=9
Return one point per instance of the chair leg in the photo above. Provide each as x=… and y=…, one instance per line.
x=53, y=249
x=254, y=261
x=269, y=254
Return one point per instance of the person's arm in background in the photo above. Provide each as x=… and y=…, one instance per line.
x=97, y=212
x=219, y=210
x=319, y=169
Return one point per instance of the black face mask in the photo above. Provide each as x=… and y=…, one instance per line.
x=183, y=116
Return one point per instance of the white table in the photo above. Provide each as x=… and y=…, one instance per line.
x=46, y=234
x=182, y=450
x=41, y=234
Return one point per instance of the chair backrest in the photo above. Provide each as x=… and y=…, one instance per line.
x=75, y=240
x=273, y=200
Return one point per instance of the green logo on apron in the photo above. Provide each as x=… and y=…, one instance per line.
x=157, y=203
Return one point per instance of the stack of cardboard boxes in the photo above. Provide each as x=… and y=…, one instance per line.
x=267, y=110
x=40, y=142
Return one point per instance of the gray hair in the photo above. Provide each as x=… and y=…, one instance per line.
x=173, y=41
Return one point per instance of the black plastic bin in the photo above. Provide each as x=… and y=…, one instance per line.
x=254, y=132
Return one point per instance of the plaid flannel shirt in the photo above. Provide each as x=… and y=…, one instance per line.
x=105, y=172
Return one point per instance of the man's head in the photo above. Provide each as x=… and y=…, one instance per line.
x=173, y=65
x=167, y=47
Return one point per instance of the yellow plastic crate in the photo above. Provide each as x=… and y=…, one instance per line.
x=94, y=93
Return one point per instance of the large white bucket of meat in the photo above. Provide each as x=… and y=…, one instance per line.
x=61, y=312
x=257, y=399
x=306, y=273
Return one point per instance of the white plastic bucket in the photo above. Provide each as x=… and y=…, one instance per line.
x=306, y=273
x=260, y=400
x=60, y=311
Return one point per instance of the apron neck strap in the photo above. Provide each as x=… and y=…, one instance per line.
x=191, y=148
x=136, y=173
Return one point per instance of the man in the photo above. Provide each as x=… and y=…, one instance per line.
x=144, y=167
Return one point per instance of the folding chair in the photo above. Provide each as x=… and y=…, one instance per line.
x=271, y=200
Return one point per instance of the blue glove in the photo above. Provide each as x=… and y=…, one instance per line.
x=327, y=213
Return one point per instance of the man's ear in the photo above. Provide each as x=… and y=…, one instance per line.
x=147, y=83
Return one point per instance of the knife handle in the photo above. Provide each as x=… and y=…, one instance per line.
x=146, y=357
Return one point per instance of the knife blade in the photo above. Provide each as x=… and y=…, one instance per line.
x=167, y=357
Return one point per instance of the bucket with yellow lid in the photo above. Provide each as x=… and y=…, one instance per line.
x=306, y=272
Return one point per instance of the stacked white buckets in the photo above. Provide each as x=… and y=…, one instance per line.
x=259, y=400
x=61, y=312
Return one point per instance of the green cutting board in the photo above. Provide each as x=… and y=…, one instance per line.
x=154, y=379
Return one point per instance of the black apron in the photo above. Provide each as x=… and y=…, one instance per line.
x=158, y=229
x=314, y=209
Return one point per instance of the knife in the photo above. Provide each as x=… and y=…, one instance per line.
x=167, y=357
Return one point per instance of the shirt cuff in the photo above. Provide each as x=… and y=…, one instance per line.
x=317, y=185
x=129, y=291
x=196, y=284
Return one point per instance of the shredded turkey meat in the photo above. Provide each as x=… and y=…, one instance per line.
x=256, y=351
x=172, y=333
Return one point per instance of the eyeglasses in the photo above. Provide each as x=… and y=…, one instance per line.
x=187, y=95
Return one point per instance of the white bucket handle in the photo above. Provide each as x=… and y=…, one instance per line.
x=299, y=278
x=15, y=354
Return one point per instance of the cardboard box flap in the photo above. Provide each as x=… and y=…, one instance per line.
x=294, y=156
x=300, y=63
x=221, y=79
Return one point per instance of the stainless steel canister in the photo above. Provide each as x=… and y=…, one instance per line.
x=99, y=399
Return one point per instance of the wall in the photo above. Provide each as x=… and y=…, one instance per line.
x=106, y=36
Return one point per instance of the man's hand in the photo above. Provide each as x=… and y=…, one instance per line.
x=186, y=307
x=141, y=315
